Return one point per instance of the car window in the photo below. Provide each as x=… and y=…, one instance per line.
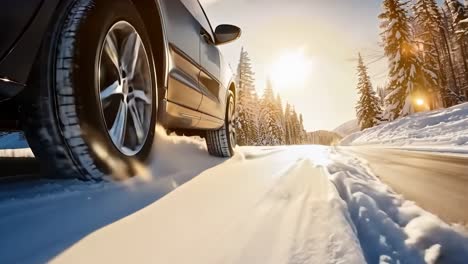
x=197, y=11
x=209, y=28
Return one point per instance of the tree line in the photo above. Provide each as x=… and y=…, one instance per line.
x=426, y=46
x=263, y=121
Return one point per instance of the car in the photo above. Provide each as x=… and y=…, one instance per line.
x=88, y=81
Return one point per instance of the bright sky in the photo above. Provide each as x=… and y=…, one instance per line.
x=327, y=35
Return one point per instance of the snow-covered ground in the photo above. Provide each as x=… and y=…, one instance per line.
x=14, y=145
x=442, y=130
x=303, y=204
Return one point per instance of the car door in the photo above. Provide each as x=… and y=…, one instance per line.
x=183, y=36
x=210, y=61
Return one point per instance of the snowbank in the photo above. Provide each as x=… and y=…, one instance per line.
x=391, y=229
x=443, y=130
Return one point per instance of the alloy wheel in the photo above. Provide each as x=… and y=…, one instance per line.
x=125, y=88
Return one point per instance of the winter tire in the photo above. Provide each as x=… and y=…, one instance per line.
x=95, y=111
x=221, y=143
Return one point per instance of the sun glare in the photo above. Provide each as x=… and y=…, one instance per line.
x=420, y=102
x=290, y=69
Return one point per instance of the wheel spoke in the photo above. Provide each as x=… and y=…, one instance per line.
x=112, y=51
x=130, y=54
x=137, y=122
x=117, y=131
x=114, y=88
x=138, y=94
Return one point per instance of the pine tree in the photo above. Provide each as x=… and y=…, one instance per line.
x=459, y=28
x=302, y=130
x=368, y=109
x=295, y=128
x=256, y=107
x=459, y=18
x=405, y=68
x=288, y=125
x=428, y=33
x=271, y=128
x=449, y=59
x=382, y=94
x=279, y=109
x=247, y=125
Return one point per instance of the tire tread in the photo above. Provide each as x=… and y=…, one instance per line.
x=217, y=141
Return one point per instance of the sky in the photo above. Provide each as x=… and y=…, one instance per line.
x=329, y=34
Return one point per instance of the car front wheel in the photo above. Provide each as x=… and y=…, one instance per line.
x=94, y=113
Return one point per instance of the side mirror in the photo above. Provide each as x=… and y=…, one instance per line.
x=227, y=33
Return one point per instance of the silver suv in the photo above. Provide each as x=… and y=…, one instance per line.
x=89, y=80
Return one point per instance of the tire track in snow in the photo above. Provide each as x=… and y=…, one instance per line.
x=391, y=229
x=255, y=154
x=300, y=220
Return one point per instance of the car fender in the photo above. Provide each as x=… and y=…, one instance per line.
x=17, y=64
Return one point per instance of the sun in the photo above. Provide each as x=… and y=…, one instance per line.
x=290, y=69
x=420, y=102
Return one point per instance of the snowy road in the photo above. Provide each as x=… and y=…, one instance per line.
x=305, y=204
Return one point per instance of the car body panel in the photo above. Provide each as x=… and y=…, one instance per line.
x=182, y=33
x=210, y=60
x=184, y=64
x=17, y=63
x=9, y=89
x=183, y=87
x=209, y=79
x=13, y=25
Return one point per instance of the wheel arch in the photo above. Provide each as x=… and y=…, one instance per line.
x=152, y=16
